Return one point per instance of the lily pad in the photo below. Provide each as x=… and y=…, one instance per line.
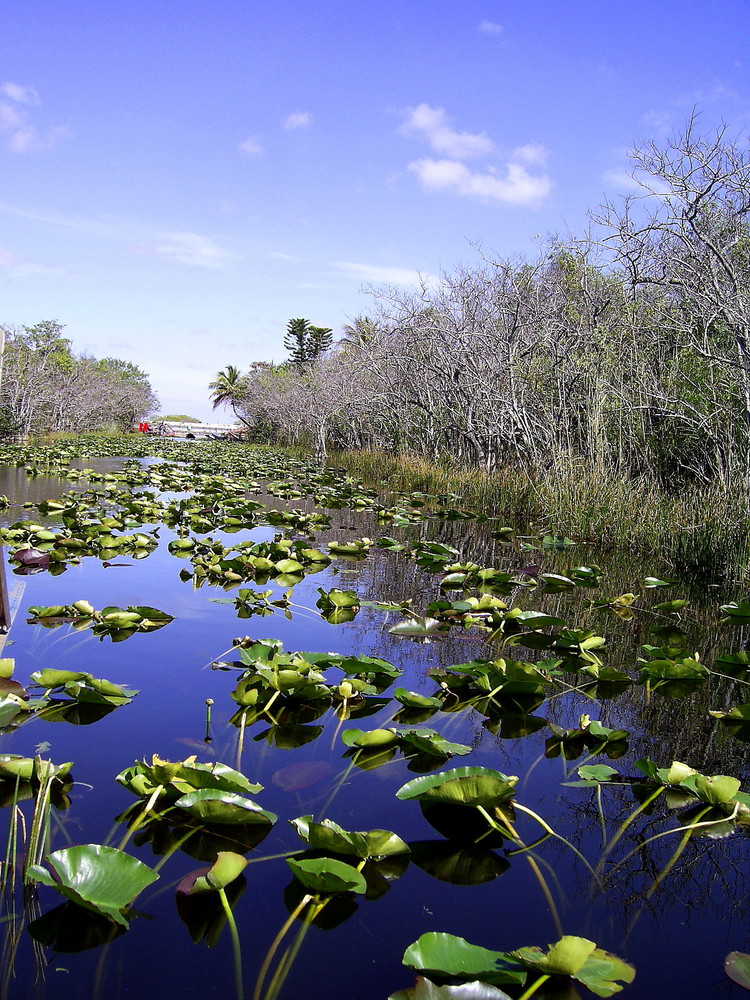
x=97, y=877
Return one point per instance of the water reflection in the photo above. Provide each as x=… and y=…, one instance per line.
x=486, y=894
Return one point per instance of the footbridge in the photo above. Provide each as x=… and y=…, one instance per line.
x=196, y=431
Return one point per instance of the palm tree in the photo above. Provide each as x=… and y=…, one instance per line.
x=359, y=333
x=226, y=390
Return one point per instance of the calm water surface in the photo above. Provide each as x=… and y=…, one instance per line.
x=676, y=935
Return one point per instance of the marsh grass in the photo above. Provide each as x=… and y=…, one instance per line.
x=697, y=531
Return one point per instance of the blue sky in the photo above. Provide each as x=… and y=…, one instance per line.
x=179, y=179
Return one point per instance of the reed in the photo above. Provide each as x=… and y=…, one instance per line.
x=695, y=530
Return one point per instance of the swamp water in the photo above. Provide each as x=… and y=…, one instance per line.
x=655, y=875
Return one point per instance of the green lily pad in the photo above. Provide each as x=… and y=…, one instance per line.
x=227, y=867
x=580, y=959
x=97, y=877
x=737, y=967
x=437, y=954
x=212, y=806
x=426, y=990
x=327, y=876
x=468, y=786
x=329, y=836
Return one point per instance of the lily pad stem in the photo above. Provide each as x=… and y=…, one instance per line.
x=141, y=817
x=557, y=836
x=626, y=823
x=277, y=941
x=241, y=740
x=235, y=943
x=533, y=988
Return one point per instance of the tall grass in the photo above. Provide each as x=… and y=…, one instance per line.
x=695, y=530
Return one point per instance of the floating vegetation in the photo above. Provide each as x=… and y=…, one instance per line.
x=503, y=644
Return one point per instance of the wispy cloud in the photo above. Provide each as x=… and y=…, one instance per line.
x=298, y=119
x=378, y=274
x=20, y=134
x=534, y=154
x=186, y=248
x=183, y=247
x=288, y=257
x=433, y=125
x=28, y=269
x=251, y=146
x=12, y=267
x=19, y=94
x=30, y=140
x=490, y=28
x=659, y=121
x=626, y=180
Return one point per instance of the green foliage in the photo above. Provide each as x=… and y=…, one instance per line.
x=305, y=342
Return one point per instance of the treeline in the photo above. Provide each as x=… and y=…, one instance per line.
x=624, y=350
x=46, y=387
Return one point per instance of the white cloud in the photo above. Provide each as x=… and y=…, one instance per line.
x=10, y=117
x=298, y=119
x=21, y=136
x=516, y=187
x=433, y=125
x=389, y=275
x=490, y=28
x=7, y=259
x=534, y=154
x=22, y=95
x=251, y=146
x=29, y=139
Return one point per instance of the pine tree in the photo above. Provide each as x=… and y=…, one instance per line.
x=306, y=342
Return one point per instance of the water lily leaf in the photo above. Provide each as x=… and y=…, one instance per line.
x=737, y=967
x=594, y=774
x=655, y=581
x=669, y=606
x=556, y=542
x=329, y=836
x=327, y=875
x=716, y=790
x=374, y=739
x=537, y=619
x=737, y=613
x=413, y=700
x=555, y=583
x=52, y=678
x=419, y=627
x=227, y=867
x=100, y=878
x=426, y=990
x=213, y=806
x=580, y=959
x=366, y=665
x=429, y=742
x=444, y=955
x=10, y=707
x=337, y=599
x=469, y=786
